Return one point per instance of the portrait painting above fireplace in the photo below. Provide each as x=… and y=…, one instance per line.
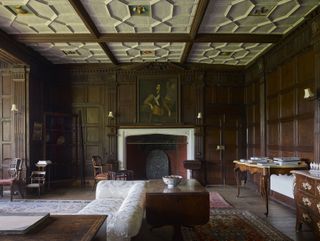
x=158, y=99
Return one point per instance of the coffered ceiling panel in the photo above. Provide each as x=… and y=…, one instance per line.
x=229, y=32
x=38, y=16
x=64, y=53
x=147, y=52
x=226, y=53
x=159, y=16
x=255, y=16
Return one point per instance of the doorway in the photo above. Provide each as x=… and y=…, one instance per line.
x=224, y=143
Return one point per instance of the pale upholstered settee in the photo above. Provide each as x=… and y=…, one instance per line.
x=283, y=184
x=124, y=203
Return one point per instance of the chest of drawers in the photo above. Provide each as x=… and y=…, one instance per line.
x=307, y=198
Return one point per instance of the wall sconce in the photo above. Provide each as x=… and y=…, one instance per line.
x=199, y=116
x=14, y=108
x=110, y=115
x=309, y=95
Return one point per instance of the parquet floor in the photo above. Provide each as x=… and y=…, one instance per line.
x=281, y=217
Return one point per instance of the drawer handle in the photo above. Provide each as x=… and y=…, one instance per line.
x=306, y=201
x=306, y=217
x=306, y=186
x=318, y=224
x=318, y=187
x=318, y=206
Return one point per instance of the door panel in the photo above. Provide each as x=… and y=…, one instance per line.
x=228, y=136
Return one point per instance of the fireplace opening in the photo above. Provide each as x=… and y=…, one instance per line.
x=140, y=148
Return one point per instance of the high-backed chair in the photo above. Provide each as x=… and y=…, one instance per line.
x=37, y=180
x=100, y=171
x=104, y=171
x=14, y=178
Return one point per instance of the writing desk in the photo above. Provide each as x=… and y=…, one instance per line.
x=265, y=172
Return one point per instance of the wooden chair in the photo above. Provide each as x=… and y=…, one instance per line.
x=37, y=180
x=105, y=172
x=14, y=179
x=98, y=170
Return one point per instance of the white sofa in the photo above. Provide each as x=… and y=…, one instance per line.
x=282, y=184
x=124, y=203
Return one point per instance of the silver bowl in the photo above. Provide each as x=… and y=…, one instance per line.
x=172, y=180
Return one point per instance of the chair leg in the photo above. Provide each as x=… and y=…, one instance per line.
x=94, y=184
x=11, y=192
x=1, y=191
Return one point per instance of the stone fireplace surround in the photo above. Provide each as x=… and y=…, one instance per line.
x=123, y=133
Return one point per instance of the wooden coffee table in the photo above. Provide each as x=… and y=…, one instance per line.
x=186, y=204
x=65, y=228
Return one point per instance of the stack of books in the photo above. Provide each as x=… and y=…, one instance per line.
x=287, y=161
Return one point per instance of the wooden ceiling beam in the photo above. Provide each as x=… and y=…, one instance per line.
x=115, y=37
x=200, y=12
x=238, y=38
x=85, y=17
x=149, y=37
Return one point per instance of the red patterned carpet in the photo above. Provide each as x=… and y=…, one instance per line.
x=230, y=224
x=217, y=201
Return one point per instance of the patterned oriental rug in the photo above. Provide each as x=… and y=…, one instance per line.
x=217, y=201
x=42, y=206
x=233, y=225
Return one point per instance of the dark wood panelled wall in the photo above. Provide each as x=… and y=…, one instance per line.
x=280, y=121
x=94, y=90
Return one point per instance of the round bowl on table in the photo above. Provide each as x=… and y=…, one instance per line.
x=172, y=180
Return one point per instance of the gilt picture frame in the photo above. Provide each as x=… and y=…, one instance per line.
x=158, y=99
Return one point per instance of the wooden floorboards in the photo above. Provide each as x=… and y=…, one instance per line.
x=281, y=217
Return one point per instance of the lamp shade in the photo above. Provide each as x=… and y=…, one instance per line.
x=110, y=115
x=14, y=108
x=199, y=116
x=308, y=93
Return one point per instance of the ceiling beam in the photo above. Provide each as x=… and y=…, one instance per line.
x=20, y=52
x=114, y=37
x=202, y=6
x=106, y=49
x=85, y=17
x=149, y=37
x=238, y=38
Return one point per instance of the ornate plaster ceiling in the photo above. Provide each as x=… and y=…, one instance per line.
x=230, y=32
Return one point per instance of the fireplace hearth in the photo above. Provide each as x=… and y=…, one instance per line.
x=134, y=146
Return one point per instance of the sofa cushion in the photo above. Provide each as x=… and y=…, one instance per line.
x=114, y=188
x=107, y=206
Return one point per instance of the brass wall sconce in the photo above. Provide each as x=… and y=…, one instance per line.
x=110, y=115
x=14, y=108
x=199, y=115
x=309, y=95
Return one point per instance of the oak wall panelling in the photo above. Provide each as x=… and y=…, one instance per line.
x=120, y=96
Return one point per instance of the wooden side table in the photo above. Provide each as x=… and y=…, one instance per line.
x=186, y=204
x=265, y=172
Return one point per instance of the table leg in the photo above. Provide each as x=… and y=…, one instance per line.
x=237, y=176
x=177, y=234
x=265, y=192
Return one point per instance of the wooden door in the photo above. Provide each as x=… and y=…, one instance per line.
x=224, y=141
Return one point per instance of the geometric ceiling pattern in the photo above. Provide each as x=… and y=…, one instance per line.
x=229, y=32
